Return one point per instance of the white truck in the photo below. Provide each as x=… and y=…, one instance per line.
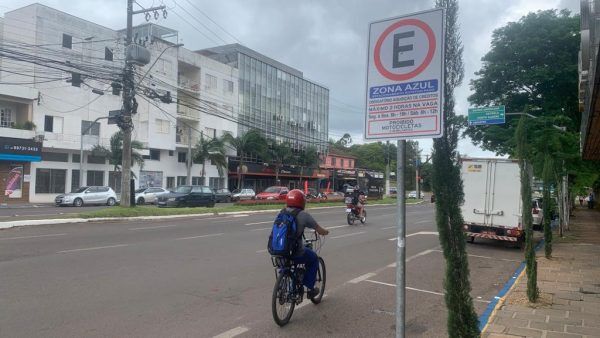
x=492, y=205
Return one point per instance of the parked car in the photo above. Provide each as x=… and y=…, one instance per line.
x=188, y=196
x=537, y=214
x=222, y=195
x=273, y=193
x=244, y=194
x=88, y=195
x=413, y=194
x=148, y=195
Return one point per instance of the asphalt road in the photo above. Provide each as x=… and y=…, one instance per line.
x=209, y=276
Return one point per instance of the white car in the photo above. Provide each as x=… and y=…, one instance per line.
x=148, y=195
x=537, y=214
x=413, y=194
x=88, y=195
x=244, y=194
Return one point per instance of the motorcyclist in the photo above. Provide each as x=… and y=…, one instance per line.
x=297, y=200
x=358, y=197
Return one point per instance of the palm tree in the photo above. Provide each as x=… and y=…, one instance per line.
x=114, y=152
x=252, y=142
x=279, y=153
x=210, y=150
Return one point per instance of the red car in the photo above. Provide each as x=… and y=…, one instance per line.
x=273, y=193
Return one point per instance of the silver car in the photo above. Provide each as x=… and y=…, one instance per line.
x=88, y=195
x=148, y=195
x=244, y=194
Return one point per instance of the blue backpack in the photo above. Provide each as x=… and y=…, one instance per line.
x=283, y=238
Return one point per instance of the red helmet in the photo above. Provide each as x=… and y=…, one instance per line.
x=296, y=199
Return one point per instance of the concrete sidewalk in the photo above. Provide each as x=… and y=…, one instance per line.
x=569, y=284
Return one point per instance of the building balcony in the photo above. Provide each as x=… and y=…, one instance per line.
x=17, y=133
x=189, y=85
x=187, y=113
x=182, y=140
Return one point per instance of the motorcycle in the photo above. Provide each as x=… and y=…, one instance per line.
x=352, y=212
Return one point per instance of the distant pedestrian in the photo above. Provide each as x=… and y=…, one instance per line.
x=580, y=197
x=591, y=200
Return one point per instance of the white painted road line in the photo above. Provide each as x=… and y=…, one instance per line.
x=261, y=251
x=417, y=233
x=348, y=235
x=337, y=226
x=419, y=290
x=488, y=257
x=393, y=226
x=155, y=227
x=261, y=229
x=233, y=332
x=256, y=223
x=424, y=221
x=422, y=253
x=94, y=248
x=33, y=236
x=242, y=215
x=201, y=236
x=362, y=278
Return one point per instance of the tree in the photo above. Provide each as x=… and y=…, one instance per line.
x=308, y=158
x=252, y=142
x=448, y=188
x=210, y=150
x=279, y=153
x=523, y=153
x=114, y=152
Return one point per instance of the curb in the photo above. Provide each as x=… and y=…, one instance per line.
x=12, y=224
x=500, y=298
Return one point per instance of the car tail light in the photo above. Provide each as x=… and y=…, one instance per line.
x=535, y=211
x=514, y=232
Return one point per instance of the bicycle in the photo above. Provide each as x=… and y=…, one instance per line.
x=289, y=290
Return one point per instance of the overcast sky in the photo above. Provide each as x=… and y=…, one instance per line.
x=326, y=40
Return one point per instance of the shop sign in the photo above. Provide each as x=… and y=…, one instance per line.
x=17, y=149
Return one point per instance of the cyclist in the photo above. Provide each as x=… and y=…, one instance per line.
x=296, y=200
x=358, y=199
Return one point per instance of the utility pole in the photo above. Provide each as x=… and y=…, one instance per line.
x=387, y=168
x=401, y=240
x=134, y=54
x=189, y=156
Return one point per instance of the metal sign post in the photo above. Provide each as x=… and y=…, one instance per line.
x=404, y=100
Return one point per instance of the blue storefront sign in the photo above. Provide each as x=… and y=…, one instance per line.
x=20, y=150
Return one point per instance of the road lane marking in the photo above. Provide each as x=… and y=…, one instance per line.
x=362, y=278
x=237, y=216
x=348, y=235
x=417, y=233
x=260, y=229
x=94, y=248
x=393, y=226
x=337, y=226
x=155, y=227
x=32, y=236
x=201, y=236
x=261, y=251
x=422, y=253
x=419, y=290
x=256, y=223
x=423, y=221
x=233, y=332
x=488, y=257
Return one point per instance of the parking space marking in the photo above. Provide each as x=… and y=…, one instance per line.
x=155, y=227
x=362, y=278
x=33, y=236
x=348, y=235
x=419, y=290
x=236, y=331
x=94, y=248
x=417, y=233
x=488, y=257
x=422, y=253
x=201, y=236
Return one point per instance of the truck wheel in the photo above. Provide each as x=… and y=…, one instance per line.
x=471, y=239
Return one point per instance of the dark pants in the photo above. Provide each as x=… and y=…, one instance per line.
x=311, y=263
x=591, y=204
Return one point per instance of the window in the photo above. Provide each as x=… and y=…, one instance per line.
x=341, y=162
x=333, y=161
x=181, y=157
x=93, y=129
x=96, y=159
x=154, y=155
x=67, y=41
x=171, y=153
x=108, y=54
x=170, y=182
x=55, y=157
x=227, y=87
x=350, y=163
x=74, y=179
x=75, y=158
x=162, y=126
x=181, y=180
x=211, y=82
x=196, y=180
x=50, y=181
x=6, y=117
x=216, y=182
x=53, y=124
x=211, y=132
x=206, y=190
x=95, y=177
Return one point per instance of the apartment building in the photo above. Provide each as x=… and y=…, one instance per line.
x=44, y=109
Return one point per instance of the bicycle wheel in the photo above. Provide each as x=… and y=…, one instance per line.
x=283, y=301
x=320, y=282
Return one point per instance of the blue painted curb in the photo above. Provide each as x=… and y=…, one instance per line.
x=485, y=316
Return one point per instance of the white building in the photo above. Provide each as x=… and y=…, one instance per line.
x=44, y=42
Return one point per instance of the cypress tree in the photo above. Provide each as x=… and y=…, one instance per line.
x=448, y=189
x=548, y=205
x=526, y=217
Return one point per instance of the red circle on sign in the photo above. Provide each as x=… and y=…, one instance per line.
x=422, y=66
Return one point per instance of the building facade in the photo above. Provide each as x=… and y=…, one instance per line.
x=58, y=78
